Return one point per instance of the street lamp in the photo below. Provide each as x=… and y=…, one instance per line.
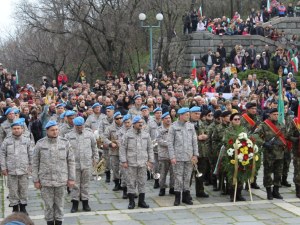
x=159, y=17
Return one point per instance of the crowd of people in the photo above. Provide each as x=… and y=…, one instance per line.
x=155, y=126
x=252, y=25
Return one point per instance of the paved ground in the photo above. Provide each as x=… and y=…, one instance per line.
x=109, y=208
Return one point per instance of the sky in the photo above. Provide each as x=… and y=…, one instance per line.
x=6, y=19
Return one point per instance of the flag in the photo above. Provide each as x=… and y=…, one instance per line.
x=17, y=77
x=269, y=6
x=200, y=11
x=194, y=72
x=294, y=64
x=280, y=103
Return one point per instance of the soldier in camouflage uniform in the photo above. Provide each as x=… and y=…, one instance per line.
x=60, y=109
x=136, y=153
x=5, y=128
x=53, y=168
x=103, y=124
x=273, y=152
x=287, y=158
x=201, y=129
x=183, y=152
x=136, y=109
x=294, y=134
x=153, y=126
x=16, y=163
x=163, y=155
x=68, y=126
x=250, y=121
x=127, y=124
x=216, y=140
x=113, y=138
x=93, y=120
x=83, y=144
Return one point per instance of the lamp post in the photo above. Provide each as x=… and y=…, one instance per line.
x=159, y=17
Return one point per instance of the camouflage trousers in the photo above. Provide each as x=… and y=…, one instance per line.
x=115, y=166
x=296, y=162
x=53, y=198
x=136, y=178
x=81, y=187
x=123, y=177
x=286, y=163
x=156, y=163
x=164, y=167
x=272, y=166
x=182, y=174
x=18, y=189
x=106, y=156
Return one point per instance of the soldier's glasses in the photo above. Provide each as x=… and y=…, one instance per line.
x=236, y=119
x=119, y=118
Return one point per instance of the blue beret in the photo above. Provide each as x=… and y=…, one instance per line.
x=126, y=117
x=78, y=121
x=144, y=107
x=16, y=111
x=111, y=107
x=157, y=109
x=137, y=96
x=195, y=109
x=19, y=122
x=165, y=115
x=51, y=123
x=96, y=104
x=117, y=114
x=61, y=105
x=9, y=110
x=62, y=115
x=183, y=110
x=136, y=119
x=70, y=113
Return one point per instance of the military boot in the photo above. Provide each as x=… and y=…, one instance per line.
x=74, y=206
x=58, y=222
x=200, y=193
x=85, y=206
x=141, y=202
x=177, y=198
x=171, y=191
x=162, y=192
x=117, y=185
x=156, y=183
x=107, y=179
x=186, y=198
x=23, y=208
x=131, y=204
x=254, y=185
x=50, y=222
x=284, y=182
x=125, y=196
x=239, y=196
x=269, y=193
x=15, y=208
x=297, y=191
x=276, y=193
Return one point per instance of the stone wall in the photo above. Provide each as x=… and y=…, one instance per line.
x=290, y=25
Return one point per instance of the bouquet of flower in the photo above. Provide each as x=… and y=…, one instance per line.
x=242, y=159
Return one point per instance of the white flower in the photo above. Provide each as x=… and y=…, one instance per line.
x=242, y=136
x=249, y=143
x=240, y=157
x=250, y=155
x=230, y=152
x=255, y=148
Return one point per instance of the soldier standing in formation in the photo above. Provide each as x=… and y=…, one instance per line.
x=16, y=163
x=92, y=121
x=5, y=128
x=153, y=126
x=49, y=152
x=60, y=109
x=68, y=126
x=274, y=148
x=201, y=129
x=103, y=124
x=183, y=152
x=163, y=155
x=83, y=145
x=135, y=110
x=112, y=138
x=136, y=154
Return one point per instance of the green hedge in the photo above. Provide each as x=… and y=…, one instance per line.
x=261, y=74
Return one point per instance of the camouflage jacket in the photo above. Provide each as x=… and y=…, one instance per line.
x=16, y=154
x=65, y=128
x=114, y=133
x=153, y=126
x=162, y=147
x=93, y=120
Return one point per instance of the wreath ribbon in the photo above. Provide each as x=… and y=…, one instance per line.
x=236, y=166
